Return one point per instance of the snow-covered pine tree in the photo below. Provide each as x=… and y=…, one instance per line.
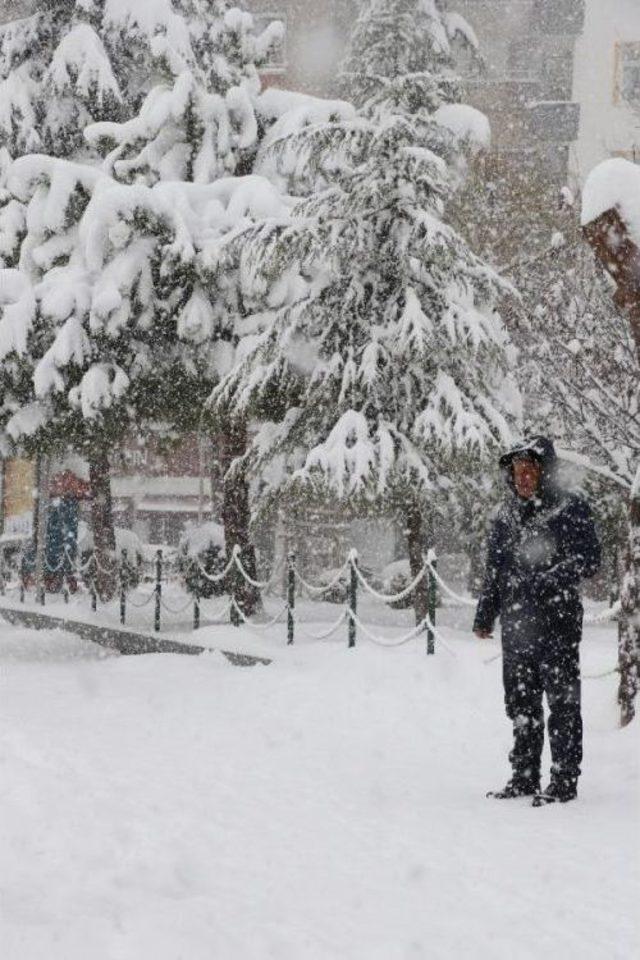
x=117, y=310
x=199, y=125
x=70, y=63
x=386, y=370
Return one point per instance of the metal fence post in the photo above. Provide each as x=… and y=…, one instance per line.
x=92, y=588
x=291, y=597
x=22, y=578
x=353, y=597
x=432, y=560
x=123, y=589
x=158, y=590
x=196, y=610
x=235, y=617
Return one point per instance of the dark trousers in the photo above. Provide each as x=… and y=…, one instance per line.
x=527, y=676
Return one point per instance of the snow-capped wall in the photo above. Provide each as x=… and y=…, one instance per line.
x=608, y=125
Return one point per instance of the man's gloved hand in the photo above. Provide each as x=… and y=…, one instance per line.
x=483, y=634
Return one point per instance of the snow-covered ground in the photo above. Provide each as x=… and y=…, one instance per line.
x=327, y=807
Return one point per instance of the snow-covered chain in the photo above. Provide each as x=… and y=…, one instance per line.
x=322, y=589
x=465, y=601
x=218, y=616
x=216, y=577
x=250, y=623
x=416, y=631
x=258, y=584
x=181, y=609
x=395, y=597
x=144, y=603
x=327, y=633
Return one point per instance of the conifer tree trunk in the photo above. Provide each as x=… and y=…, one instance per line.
x=104, y=537
x=236, y=514
x=415, y=528
x=629, y=623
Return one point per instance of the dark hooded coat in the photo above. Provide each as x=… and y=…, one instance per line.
x=539, y=550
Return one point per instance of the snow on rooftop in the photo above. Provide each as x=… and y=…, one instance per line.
x=614, y=185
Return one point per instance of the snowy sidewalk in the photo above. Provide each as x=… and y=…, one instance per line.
x=328, y=807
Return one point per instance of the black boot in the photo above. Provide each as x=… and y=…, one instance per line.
x=560, y=790
x=517, y=787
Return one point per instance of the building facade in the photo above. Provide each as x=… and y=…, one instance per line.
x=606, y=83
x=524, y=82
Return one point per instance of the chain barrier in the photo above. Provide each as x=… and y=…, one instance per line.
x=258, y=584
x=585, y=676
x=329, y=633
x=144, y=603
x=170, y=572
x=224, y=611
x=162, y=575
x=214, y=577
x=394, y=597
x=381, y=642
x=464, y=601
x=325, y=587
x=250, y=623
x=165, y=606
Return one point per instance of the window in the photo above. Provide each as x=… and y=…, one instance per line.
x=628, y=73
x=277, y=61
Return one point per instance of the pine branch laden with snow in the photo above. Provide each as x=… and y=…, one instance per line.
x=77, y=63
x=199, y=123
x=116, y=271
x=386, y=365
x=105, y=320
x=60, y=69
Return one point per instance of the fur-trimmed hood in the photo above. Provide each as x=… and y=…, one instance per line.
x=539, y=448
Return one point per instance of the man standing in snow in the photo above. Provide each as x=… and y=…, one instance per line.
x=542, y=544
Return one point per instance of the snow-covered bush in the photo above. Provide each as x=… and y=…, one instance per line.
x=202, y=555
x=337, y=586
x=338, y=583
x=396, y=577
x=129, y=555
